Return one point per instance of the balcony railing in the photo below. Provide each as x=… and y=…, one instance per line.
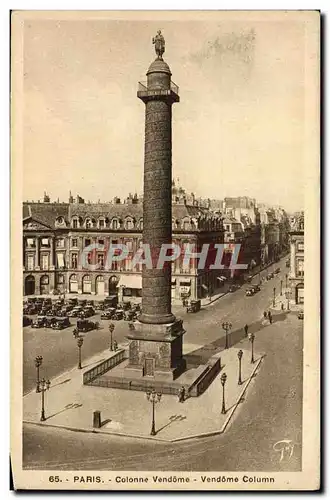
x=143, y=87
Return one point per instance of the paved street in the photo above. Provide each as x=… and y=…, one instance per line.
x=272, y=411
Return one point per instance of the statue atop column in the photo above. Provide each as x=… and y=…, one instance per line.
x=159, y=42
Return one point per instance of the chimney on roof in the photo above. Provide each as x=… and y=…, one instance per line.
x=70, y=197
x=116, y=200
x=46, y=197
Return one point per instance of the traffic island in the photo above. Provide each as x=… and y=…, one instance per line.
x=71, y=405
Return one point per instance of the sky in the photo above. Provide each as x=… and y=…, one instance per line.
x=238, y=129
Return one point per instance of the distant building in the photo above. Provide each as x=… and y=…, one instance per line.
x=296, y=277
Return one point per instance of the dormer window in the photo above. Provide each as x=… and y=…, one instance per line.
x=114, y=224
x=60, y=220
x=141, y=224
x=101, y=223
x=129, y=224
x=88, y=224
x=75, y=223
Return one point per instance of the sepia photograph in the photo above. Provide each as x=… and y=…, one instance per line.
x=165, y=207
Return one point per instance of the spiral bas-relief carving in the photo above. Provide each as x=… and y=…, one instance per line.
x=157, y=208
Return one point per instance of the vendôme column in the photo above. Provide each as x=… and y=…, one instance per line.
x=158, y=95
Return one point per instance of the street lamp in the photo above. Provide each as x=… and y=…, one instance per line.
x=111, y=330
x=240, y=355
x=38, y=363
x=154, y=398
x=223, y=381
x=43, y=386
x=226, y=326
x=288, y=296
x=274, y=291
x=80, y=342
x=251, y=339
x=281, y=287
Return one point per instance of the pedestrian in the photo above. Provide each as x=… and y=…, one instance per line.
x=115, y=345
x=181, y=394
x=270, y=317
x=282, y=306
x=265, y=314
x=246, y=329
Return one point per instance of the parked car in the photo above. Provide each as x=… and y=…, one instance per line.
x=118, y=315
x=26, y=321
x=61, y=323
x=50, y=322
x=108, y=313
x=301, y=315
x=269, y=276
x=99, y=306
x=277, y=270
x=194, y=306
x=82, y=302
x=111, y=301
x=126, y=306
x=90, y=303
x=73, y=301
x=87, y=312
x=75, y=312
x=233, y=288
x=84, y=325
x=249, y=292
x=255, y=288
x=39, y=322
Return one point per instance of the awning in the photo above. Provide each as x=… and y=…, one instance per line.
x=221, y=278
x=130, y=282
x=184, y=282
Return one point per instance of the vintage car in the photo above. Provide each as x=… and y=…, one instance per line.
x=233, y=288
x=130, y=315
x=99, y=306
x=255, y=288
x=26, y=321
x=277, y=270
x=108, y=313
x=90, y=303
x=118, y=315
x=39, y=322
x=74, y=313
x=31, y=300
x=301, y=315
x=194, y=306
x=269, y=276
x=61, y=323
x=250, y=291
x=87, y=312
x=111, y=301
x=126, y=306
x=249, y=278
x=84, y=325
x=50, y=322
x=73, y=301
x=65, y=310
x=82, y=302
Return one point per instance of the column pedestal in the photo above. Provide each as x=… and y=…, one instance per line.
x=155, y=351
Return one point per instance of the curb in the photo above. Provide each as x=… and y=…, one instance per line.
x=156, y=439
x=223, y=428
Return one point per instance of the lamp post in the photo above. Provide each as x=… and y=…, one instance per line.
x=240, y=355
x=281, y=287
x=111, y=330
x=286, y=281
x=274, y=291
x=153, y=397
x=223, y=382
x=80, y=342
x=38, y=363
x=288, y=296
x=259, y=278
x=251, y=339
x=43, y=386
x=226, y=326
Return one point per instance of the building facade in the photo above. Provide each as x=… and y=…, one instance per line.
x=296, y=278
x=56, y=234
